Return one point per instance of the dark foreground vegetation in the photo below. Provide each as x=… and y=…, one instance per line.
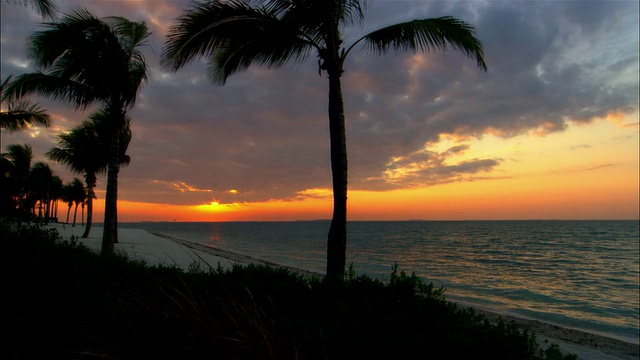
x=61, y=300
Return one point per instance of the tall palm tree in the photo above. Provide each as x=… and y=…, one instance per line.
x=87, y=60
x=85, y=149
x=235, y=34
x=20, y=113
x=46, y=8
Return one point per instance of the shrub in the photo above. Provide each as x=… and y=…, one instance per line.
x=65, y=301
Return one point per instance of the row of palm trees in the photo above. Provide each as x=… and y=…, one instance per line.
x=84, y=60
x=84, y=149
x=33, y=191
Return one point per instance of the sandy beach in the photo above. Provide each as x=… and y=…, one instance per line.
x=156, y=249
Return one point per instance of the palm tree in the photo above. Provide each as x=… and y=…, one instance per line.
x=85, y=149
x=46, y=8
x=77, y=195
x=90, y=60
x=66, y=194
x=19, y=157
x=54, y=195
x=234, y=35
x=20, y=113
x=8, y=204
x=40, y=179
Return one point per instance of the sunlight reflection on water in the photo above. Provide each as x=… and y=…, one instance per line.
x=576, y=273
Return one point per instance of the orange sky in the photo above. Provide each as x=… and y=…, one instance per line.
x=549, y=132
x=586, y=172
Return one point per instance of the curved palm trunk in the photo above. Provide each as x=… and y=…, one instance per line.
x=75, y=214
x=337, y=239
x=110, y=233
x=91, y=184
x=40, y=217
x=47, y=209
x=68, y=212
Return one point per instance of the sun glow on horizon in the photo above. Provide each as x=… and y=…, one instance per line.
x=584, y=172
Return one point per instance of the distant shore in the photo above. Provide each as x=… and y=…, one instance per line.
x=157, y=248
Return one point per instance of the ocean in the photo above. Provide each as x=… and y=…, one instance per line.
x=576, y=274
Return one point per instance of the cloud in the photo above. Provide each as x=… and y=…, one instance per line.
x=427, y=168
x=265, y=133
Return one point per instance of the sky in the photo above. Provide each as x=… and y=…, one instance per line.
x=550, y=131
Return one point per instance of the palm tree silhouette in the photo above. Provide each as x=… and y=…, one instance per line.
x=20, y=113
x=234, y=35
x=46, y=8
x=40, y=181
x=54, y=195
x=85, y=149
x=66, y=194
x=77, y=195
x=87, y=60
x=19, y=158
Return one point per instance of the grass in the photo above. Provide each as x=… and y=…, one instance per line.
x=61, y=300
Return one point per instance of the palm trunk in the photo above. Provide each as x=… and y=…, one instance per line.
x=337, y=239
x=68, y=212
x=109, y=235
x=47, y=209
x=75, y=215
x=91, y=183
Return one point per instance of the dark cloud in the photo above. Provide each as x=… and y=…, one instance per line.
x=426, y=168
x=264, y=134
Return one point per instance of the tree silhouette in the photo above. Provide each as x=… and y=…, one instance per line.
x=20, y=113
x=19, y=164
x=40, y=182
x=85, y=149
x=233, y=35
x=77, y=195
x=66, y=194
x=87, y=60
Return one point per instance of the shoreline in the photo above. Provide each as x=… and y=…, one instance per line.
x=584, y=344
x=156, y=248
x=236, y=257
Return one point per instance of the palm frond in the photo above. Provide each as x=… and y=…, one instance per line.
x=101, y=55
x=3, y=86
x=46, y=8
x=350, y=12
x=233, y=35
x=86, y=147
x=427, y=35
x=267, y=50
x=22, y=113
x=63, y=36
x=132, y=35
x=55, y=87
x=59, y=155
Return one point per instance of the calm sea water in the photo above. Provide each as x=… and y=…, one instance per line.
x=577, y=274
